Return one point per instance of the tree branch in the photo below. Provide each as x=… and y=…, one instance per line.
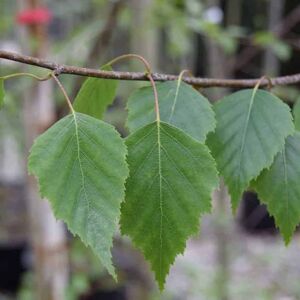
x=199, y=82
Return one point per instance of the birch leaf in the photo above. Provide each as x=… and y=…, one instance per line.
x=180, y=105
x=95, y=95
x=80, y=166
x=169, y=187
x=279, y=187
x=251, y=129
x=296, y=113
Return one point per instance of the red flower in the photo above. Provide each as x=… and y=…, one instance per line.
x=40, y=15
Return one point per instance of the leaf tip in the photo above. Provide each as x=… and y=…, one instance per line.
x=235, y=201
x=287, y=236
x=161, y=285
x=287, y=240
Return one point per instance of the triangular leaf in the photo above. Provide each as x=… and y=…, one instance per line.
x=296, y=113
x=95, y=95
x=80, y=165
x=1, y=93
x=251, y=128
x=279, y=187
x=169, y=187
x=180, y=105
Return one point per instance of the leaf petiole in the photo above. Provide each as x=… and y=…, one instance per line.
x=47, y=77
x=64, y=92
x=148, y=74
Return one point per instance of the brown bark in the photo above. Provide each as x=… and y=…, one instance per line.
x=199, y=82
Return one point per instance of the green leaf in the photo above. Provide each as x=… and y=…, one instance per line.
x=296, y=113
x=279, y=187
x=180, y=105
x=95, y=95
x=169, y=187
x=1, y=93
x=80, y=165
x=281, y=49
x=251, y=128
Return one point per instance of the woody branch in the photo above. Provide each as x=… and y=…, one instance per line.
x=199, y=82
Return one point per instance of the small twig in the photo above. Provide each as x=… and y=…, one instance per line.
x=201, y=82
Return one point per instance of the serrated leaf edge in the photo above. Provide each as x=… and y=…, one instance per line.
x=196, y=229
x=110, y=270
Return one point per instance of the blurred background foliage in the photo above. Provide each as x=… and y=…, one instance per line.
x=239, y=257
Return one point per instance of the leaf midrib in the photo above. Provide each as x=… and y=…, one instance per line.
x=175, y=100
x=81, y=169
x=245, y=133
x=160, y=195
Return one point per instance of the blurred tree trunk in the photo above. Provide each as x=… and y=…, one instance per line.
x=233, y=12
x=220, y=197
x=217, y=68
x=47, y=235
x=221, y=216
x=271, y=62
x=143, y=36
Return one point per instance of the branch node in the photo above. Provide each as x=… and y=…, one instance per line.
x=58, y=70
x=270, y=83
